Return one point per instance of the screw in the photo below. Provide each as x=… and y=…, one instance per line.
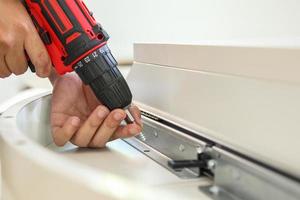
x=142, y=137
x=155, y=134
x=211, y=164
x=214, y=190
x=200, y=150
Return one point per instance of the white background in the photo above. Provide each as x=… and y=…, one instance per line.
x=194, y=21
x=183, y=21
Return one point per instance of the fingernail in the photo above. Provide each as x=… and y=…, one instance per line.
x=118, y=116
x=133, y=131
x=139, y=121
x=75, y=122
x=102, y=113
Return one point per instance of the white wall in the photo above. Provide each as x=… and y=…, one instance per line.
x=192, y=21
x=182, y=21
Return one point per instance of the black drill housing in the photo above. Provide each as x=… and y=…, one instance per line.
x=99, y=70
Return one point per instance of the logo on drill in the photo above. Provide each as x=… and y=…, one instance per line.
x=87, y=59
x=95, y=55
x=79, y=65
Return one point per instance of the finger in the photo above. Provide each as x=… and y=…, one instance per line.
x=108, y=127
x=4, y=71
x=61, y=135
x=84, y=135
x=16, y=60
x=38, y=54
x=136, y=113
x=127, y=131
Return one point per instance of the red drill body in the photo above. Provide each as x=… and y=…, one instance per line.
x=63, y=34
x=75, y=41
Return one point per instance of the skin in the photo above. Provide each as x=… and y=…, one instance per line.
x=18, y=36
x=76, y=115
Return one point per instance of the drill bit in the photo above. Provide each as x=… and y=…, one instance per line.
x=129, y=118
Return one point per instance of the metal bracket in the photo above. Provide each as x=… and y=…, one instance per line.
x=234, y=177
x=163, y=144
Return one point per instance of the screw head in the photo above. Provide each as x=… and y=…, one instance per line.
x=142, y=137
x=214, y=190
x=200, y=149
x=212, y=164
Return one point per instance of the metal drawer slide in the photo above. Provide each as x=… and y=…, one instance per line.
x=233, y=175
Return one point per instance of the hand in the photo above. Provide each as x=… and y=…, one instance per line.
x=77, y=116
x=17, y=36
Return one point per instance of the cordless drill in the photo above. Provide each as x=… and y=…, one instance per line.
x=76, y=42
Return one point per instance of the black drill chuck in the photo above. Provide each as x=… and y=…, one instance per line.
x=99, y=71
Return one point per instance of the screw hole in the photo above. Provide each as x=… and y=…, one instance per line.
x=100, y=37
x=146, y=150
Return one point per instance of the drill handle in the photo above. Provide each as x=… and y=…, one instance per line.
x=67, y=29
